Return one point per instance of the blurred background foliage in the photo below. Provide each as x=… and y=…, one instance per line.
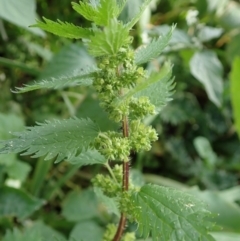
x=198, y=148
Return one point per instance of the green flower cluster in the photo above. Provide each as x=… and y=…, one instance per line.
x=141, y=136
x=118, y=73
x=129, y=237
x=113, y=146
x=107, y=185
x=127, y=206
x=117, y=172
x=140, y=107
x=110, y=232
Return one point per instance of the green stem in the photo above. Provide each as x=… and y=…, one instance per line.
x=125, y=184
x=111, y=172
x=17, y=64
x=39, y=176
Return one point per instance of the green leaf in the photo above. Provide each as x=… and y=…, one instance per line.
x=38, y=232
x=235, y=87
x=224, y=204
x=88, y=157
x=110, y=40
x=9, y=123
x=79, y=206
x=130, y=10
x=158, y=88
x=232, y=48
x=226, y=236
x=71, y=58
x=100, y=14
x=107, y=10
x=17, y=235
x=181, y=109
x=109, y=203
x=19, y=170
x=205, y=151
x=130, y=24
x=10, y=63
x=82, y=77
x=61, y=139
x=154, y=49
x=90, y=106
x=121, y=5
x=86, y=231
x=67, y=30
x=14, y=202
x=87, y=10
x=21, y=13
x=206, y=67
x=169, y=214
x=228, y=16
x=179, y=40
x=207, y=33
x=68, y=67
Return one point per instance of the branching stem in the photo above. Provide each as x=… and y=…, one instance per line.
x=125, y=183
x=111, y=172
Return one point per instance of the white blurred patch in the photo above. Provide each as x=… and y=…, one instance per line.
x=191, y=17
x=13, y=183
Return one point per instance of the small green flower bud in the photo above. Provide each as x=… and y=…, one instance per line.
x=110, y=232
x=112, y=146
x=127, y=206
x=129, y=237
x=141, y=136
x=109, y=187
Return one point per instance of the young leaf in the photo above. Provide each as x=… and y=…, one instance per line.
x=87, y=10
x=153, y=49
x=107, y=11
x=169, y=214
x=158, y=88
x=61, y=139
x=100, y=14
x=83, y=77
x=67, y=30
x=130, y=24
x=110, y=40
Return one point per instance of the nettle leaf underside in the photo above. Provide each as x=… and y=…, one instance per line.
x=158, y=88
x=63, y=29
x=169, y=214
x=153, y=49
x=88, y=157
x=83, y=77
x=64, y=139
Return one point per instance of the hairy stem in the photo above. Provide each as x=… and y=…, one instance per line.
x=125, y=184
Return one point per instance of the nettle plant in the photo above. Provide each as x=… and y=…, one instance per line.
x=128, y=93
